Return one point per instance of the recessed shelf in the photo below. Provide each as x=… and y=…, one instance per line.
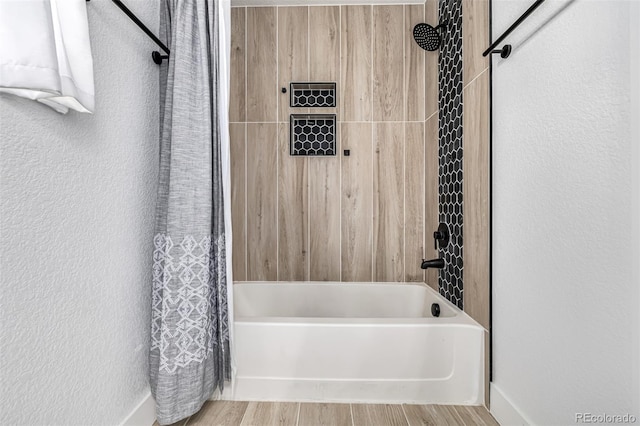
x=312, y=135
x=312, y=95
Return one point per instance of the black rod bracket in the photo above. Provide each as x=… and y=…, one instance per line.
x=156, y=56
x=504, y=52
x=525, y=15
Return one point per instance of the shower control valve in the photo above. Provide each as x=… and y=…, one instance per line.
x=441, y=236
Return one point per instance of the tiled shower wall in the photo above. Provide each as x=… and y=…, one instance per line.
x=475, y=163
x=463, y=157
x=462, y=153
x=345, y=218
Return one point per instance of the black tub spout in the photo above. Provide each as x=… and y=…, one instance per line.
x=433, y=263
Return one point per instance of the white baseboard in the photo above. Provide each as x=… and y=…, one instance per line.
x=144, y=414
x=504, y=411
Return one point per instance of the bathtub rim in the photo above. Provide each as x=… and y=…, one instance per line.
x=460, y=319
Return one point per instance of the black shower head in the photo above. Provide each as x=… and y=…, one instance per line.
x=427, y=37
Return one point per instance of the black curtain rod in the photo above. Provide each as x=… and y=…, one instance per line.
x=157, y=57
x=515, y=25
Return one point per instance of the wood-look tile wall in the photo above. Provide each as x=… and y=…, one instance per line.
x=345, y=218
x=475, y=32
x=476, y=190
x=431, y=144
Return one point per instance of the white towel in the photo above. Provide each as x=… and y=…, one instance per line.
x=45, y=53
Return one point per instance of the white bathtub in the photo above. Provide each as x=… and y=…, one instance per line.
x=353, y=342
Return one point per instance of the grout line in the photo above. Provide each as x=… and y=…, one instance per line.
x=339, y=149
x=373, y=187
x=371, y=31
x=298, y=415
x=424, y=152
x=308, y=110
x=186, y=421
x=309, y=257
x=404, y=144
x=404, y=64
x=431, y=116
x=330, y=3
x=307, y=163
x=474, y=78
x=277, y=55
x=246, y=151
x=308, y=43
x=424, y=197
x=246, y=72
x=405, y=414
x=339, y=130
x=246, y=222
x=373, y=63
x=424, y=66
x=339, y=77
x=328, y=112
x=404, y=203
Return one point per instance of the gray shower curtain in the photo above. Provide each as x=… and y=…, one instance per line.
x=189, y=357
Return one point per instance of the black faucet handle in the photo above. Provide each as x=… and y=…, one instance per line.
x=441, y=236
x=436, y=236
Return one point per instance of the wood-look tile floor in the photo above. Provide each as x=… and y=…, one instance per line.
x=235, y=413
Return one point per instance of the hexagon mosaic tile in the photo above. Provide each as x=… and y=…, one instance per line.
x=313, y=95
x=312, y=134
x=450, y=148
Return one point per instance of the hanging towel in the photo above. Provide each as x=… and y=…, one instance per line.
x=45, y=53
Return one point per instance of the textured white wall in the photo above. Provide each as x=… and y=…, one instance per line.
x=565, y=234
x=78, y=194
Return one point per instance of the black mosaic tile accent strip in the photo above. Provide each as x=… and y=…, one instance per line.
x=312, y=134
x=450, y=148
x=312, y=95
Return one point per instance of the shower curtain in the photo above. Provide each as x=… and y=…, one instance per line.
x=190, y=343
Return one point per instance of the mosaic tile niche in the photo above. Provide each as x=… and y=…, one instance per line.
x=312, y=134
